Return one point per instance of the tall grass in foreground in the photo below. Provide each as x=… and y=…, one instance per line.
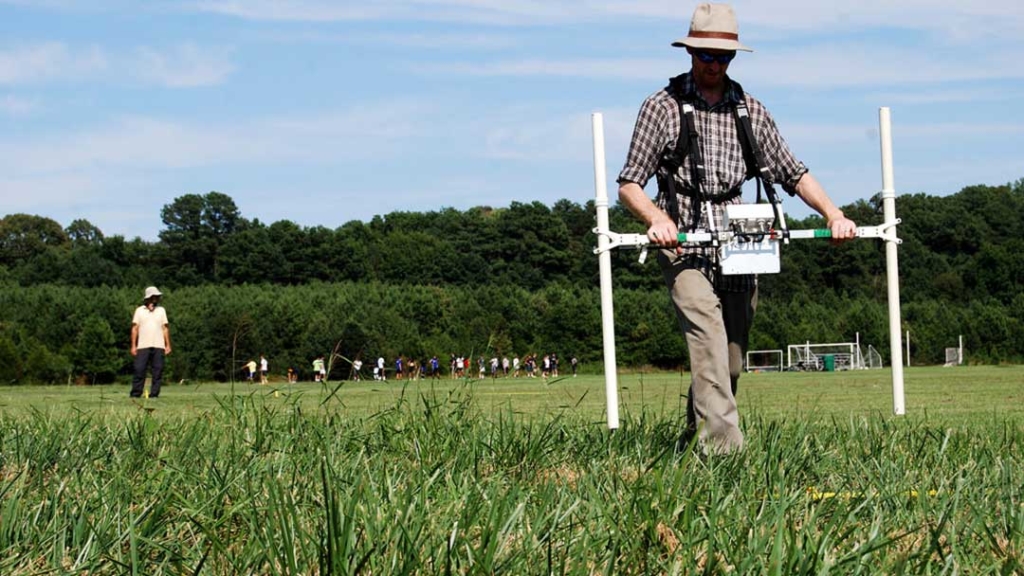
x=430, y=486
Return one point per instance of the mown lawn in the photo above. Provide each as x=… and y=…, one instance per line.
x=515, y=477
x=933, y=391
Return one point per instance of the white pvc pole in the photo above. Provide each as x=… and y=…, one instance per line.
x=891, y=261
x=908, y=348
x=604, y=259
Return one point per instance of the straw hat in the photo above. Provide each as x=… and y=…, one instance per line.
x=713, y=27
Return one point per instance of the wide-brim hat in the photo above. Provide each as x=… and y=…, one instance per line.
x=713, y=27
x=151, y=292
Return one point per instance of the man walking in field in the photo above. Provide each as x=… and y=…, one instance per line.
x=150, y=342
x=714, y=311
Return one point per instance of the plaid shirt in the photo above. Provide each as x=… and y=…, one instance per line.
x=657, y=130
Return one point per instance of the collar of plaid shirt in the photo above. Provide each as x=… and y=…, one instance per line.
x=688, y=89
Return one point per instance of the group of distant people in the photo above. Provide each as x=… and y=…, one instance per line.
x=458, y=367
x=151, y=341
x=264, y=369
x=461, y=366
x=407, y=368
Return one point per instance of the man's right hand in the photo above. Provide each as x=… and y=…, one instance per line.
x=135, y=351
x=663, y=232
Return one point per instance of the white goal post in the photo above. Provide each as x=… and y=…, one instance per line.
x=829, y=357
x=873, y=359
x=763, y=361
x=608, y=240
x=955, y=356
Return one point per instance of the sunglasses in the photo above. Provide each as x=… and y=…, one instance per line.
x=708, y=58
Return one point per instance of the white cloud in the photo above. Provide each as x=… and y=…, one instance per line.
x=139, y=143
x=998, y=17
x=538, y=135
x=59, y=4
x=614, y=68
x=39, y=193
x=952, y=17
x=816, y=68
x=15, y=106
x=493, y=12
x=477, y=41
x=952, y=95
x=293, y=10
x=184, y=66
x=933, y=131
x=850, y=65
x=956, y=20
x=135, y=164
x=48, y=61
x=488, y=41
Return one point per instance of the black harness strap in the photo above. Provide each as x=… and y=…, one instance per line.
x=688, y=143
x=672, y=157
x=754, y=158
x=688, y=120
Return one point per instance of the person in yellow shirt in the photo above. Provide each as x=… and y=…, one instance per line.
x=150, y=342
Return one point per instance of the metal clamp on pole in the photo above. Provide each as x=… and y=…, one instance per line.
x=616, y=240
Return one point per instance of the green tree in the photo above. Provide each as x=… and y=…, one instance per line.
x=252, y=256
x=351, y=252
x=82, y=233
x=96, y=353
x=46, y=367
x=532, y=247
x=10, y=361
x=196, y=227
x=23, y=236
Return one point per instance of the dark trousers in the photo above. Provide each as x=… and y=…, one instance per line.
x=154, y=358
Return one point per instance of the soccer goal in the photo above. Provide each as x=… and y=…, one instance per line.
x=955, y=356
x=872, y=360
x=823, y=357
x=764, y=361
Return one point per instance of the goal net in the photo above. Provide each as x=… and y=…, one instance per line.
x=953, y=357
x=827, y=357
x=873, y=359
x=764, y=361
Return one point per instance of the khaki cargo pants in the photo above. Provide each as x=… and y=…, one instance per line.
x=717, y=329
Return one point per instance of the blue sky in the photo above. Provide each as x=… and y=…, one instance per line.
x=322, y=112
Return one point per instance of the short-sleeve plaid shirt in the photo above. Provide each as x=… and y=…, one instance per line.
x=657, y=130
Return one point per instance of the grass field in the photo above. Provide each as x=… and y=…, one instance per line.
x=515, y=477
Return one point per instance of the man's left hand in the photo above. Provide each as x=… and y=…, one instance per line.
x=842, y=229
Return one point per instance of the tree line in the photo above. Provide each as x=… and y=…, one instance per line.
x=488, y=280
